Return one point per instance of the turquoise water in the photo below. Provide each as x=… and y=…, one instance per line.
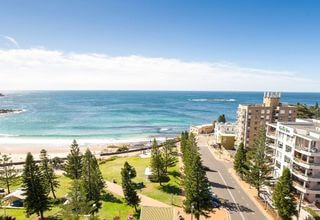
x=117, y=115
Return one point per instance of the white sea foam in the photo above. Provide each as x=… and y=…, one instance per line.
x=212, y=100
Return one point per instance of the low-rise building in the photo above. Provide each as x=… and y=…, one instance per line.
x=296, y=145
x=202, y=129
x=224, y=134
x=16, y=198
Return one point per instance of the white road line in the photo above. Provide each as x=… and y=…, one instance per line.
x=232, y=196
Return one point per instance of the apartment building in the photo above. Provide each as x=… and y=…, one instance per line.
x=296, y=145
x=251, y=117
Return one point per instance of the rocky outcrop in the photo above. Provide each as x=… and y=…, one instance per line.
x=7, y=111
x=1, y=94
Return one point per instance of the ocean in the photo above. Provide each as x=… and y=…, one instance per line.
x=115, y=116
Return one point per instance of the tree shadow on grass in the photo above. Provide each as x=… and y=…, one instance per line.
x=171, y=189
x=108, y=197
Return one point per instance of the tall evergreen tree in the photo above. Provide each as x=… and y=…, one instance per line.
x=240, y=161
x=8, y=174
x=191, y=149
x=197, y=189
x=283, y=196
x=127, y=173
x=169, y=158
x=259, y=163
x=77, y=201
x=73, y=165
x=183, y=142
x=47, y=170
x=222, y=118
x=92, y=179
x=33, y=184
x=157, y=164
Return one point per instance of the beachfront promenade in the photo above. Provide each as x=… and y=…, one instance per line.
x=238, y=204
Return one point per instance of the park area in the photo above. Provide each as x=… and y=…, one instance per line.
x=112, y=204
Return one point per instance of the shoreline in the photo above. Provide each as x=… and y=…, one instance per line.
x=61, y=147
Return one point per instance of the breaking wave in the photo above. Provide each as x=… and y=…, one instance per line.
x=212, y=100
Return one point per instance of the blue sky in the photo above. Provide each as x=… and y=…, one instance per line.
x=270, y=35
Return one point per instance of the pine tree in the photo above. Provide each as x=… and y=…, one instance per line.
x=240, y=161
x=77, y=201
x=191, y=149
x=36, y=200
x=283, y=196
x=73, y=165
x=92, y=179
x=259, y=163
x=222, y=118
x=197, y=189
x=169, y=159
x=47, y=170
x=127, y=173
x=183, y=143
x=8, y=173
x=157, y=164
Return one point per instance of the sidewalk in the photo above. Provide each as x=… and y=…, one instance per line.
x=145, y=200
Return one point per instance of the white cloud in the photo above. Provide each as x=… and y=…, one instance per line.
x=12, y=41
x=23, y=69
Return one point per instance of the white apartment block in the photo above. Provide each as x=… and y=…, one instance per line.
x=296, y=145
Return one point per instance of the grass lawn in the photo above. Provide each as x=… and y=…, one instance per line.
x=112, y=206
x=168, y=192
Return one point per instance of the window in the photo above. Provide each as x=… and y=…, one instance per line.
x=287, y=159
x=262, y=111
x=290, y=111
x=279, y=154
x=282, y=111
x=278, y=164
x=268, y=111
x=280, y=145
x=267, y=117
x=288, y=148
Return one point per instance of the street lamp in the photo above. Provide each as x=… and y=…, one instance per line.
x=192, y=207
x=299, y=208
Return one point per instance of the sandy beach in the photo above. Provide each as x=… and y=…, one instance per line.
x=18, y=148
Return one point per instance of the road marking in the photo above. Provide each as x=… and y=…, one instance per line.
x=232, y=196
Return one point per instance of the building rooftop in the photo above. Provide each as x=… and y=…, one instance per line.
x=159, y=213
x=308, y=128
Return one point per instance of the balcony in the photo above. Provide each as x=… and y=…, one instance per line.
x=309, y=177
x=272, y=146
x=271, y=135
x=314, y=151
x=299, y=186
x=308, y=165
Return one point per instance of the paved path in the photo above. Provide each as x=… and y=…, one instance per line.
x=145, y=200
x=239, y=205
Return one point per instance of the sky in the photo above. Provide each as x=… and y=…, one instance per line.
x=248, y=45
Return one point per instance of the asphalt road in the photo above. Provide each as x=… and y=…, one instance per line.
x=238, y=204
